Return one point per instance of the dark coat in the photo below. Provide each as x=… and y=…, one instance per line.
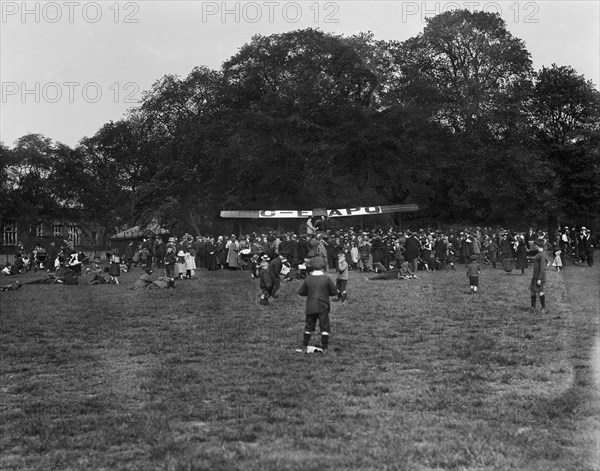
x=412, y=248
x=521, y=254
x=317, y=289
x=275, y=268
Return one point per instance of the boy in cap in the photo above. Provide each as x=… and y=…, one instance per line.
x=317, y=288
x=342, y=277
x=265, y=280
x=170, y=260
x=473, y=271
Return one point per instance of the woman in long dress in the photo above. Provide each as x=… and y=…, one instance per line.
x=233, y=250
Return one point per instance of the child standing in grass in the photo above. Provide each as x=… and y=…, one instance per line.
x=557, y=263
x=115, y=267
x=170, y=260
x=181, y=264
x=317, y=288
x=266, y=284
x=190, y=263
x=342, y=277
x=473, y=271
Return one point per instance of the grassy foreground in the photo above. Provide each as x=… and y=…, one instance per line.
x=423, y=377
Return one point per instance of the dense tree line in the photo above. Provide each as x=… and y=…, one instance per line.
x=454, y=119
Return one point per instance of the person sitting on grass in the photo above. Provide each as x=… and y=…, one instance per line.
x=402, y=272
x=405, y=272
x=97, y=278
x=12, y=287
x=392, y=274
x=16, y=267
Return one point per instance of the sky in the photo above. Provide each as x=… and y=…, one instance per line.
x=69, y=67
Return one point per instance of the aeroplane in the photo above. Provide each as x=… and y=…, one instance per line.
x=329, y=213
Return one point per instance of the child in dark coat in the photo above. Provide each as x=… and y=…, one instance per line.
x=265, y=280
x=317, y=288
x=473, y=271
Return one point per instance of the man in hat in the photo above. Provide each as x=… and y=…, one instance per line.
x=530, y=238
x=536, y=287
x=587, y=246
x=317, y=288
x=506, y=252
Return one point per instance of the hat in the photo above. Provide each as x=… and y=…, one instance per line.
x=265, y=257
x=583, y=228
x=540, y=242
x=341, y=254
x=318, y=264
x=473, y=257
x=180, y=253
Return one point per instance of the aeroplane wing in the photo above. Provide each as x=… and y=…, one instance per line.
x=330, y=213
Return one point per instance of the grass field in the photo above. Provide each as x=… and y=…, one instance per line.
x=423, y=376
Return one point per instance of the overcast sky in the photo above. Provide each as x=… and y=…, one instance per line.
x=66, y=68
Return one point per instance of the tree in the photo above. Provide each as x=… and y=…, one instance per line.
x=296, y=98
x=565, y=118
x=465, y=68
x=564, y=107
x=178, y=122
x=28, y=174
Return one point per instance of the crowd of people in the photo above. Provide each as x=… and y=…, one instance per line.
x=384, y=253
x=369, y=251
x=376, y=250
